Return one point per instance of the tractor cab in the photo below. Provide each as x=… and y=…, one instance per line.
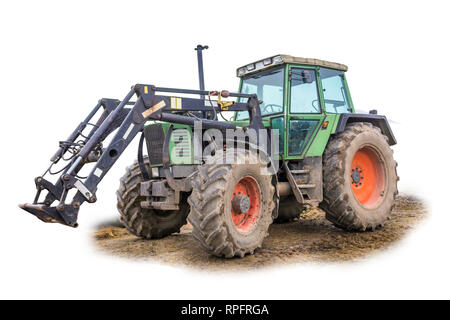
x=301, y=97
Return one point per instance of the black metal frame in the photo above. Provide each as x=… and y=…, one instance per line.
x=129, y=122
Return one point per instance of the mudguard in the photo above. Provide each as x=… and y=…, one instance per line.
x=375, y=119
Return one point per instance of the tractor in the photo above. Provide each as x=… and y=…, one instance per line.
x=288, y=139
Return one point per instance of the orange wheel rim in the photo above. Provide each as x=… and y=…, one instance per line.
x=245, y=204
x=367, y=177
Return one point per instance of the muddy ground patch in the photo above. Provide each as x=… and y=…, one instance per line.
x=311, y=238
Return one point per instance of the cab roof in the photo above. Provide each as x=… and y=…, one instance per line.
x=284, y=58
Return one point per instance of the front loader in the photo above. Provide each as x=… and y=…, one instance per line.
x=294, y=140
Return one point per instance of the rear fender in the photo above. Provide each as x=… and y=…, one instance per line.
x=377, y=120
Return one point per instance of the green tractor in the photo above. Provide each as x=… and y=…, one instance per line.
x=319, y=153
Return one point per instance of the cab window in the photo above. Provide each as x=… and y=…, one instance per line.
x=304, y=93
x=268, y=86
x=335, y=96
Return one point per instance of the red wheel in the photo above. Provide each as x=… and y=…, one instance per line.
x=232, y=205
x=367, y=177
x=360, y=178
x=246, y=204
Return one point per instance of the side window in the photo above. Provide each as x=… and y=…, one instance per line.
x=304, y=93
x=336, y=100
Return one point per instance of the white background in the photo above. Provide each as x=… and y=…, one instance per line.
x=58, y=58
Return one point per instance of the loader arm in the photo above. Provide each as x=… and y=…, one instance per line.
x=129, y=122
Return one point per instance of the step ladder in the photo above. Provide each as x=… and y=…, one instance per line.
x=296, y=187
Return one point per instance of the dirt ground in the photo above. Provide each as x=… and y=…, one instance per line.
x=310, y=239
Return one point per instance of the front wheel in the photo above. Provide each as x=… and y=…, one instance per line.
x=232, y=206
x=146, y=223
x=360, y=178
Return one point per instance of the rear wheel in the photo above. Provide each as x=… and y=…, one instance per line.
x=232, y=206
x=360, y=178
x=146, y=223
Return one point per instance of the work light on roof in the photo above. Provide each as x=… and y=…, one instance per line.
x=259, y=65
x=277, y=60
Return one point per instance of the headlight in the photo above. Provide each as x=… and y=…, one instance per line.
x=262, y=64
x=259, y=65
x=277, y=59
x=267, y=61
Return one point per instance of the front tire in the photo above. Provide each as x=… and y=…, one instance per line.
x=360, y=178
x=146, y=223
x=232, y=206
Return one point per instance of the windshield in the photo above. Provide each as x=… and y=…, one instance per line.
x=268, y=86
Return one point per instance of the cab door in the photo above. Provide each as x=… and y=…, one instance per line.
x=304, y=110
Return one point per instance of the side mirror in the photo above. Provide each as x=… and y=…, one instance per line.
x=307, y=76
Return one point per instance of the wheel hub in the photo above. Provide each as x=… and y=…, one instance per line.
x=356, y=176
x=245, y=204
x=240, y=203
x=368, y=177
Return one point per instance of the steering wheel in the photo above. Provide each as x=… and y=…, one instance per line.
x=272, y=108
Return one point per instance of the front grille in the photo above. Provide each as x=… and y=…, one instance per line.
x=154, y=136
x=181, y=150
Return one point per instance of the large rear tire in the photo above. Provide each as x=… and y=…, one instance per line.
x=146, y=223
x=360, y=178
x=232, y=206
